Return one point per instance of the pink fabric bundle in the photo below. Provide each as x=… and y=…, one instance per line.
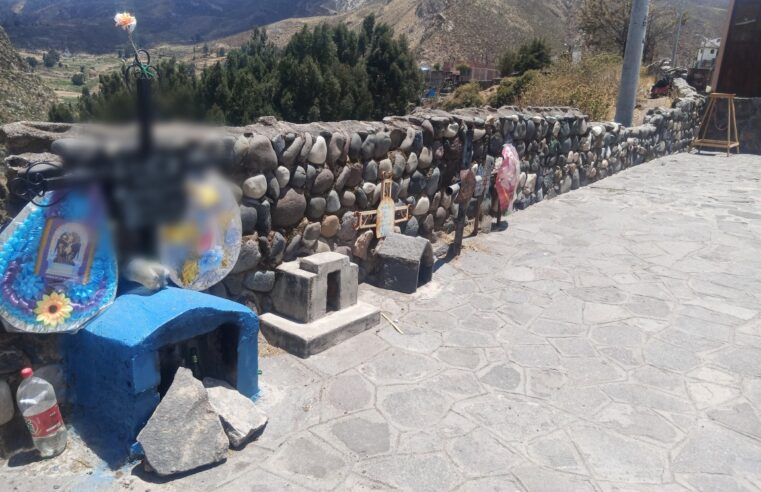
x=508, y=177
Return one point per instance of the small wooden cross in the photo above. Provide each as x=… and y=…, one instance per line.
x=386, y=216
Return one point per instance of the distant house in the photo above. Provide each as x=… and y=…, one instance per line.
x=707, y=54
x=477, y=72
x=442, y=80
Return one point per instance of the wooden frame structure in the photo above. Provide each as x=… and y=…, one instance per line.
x=733, y=139
x=386, y=216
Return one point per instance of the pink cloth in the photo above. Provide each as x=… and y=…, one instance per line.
x=508, y=177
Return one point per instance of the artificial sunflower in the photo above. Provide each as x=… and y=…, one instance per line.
x=189, y=272
x=206, y=195
x=53, y=309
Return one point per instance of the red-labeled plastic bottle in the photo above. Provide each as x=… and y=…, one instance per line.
x=37, y=402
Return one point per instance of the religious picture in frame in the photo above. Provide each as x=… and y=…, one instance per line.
x=66, y=251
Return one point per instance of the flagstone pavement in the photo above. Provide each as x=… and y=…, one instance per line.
x=609, y=339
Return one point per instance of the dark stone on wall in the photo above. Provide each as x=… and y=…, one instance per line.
x=290, y=209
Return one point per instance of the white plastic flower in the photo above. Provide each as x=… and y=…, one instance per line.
x=126, y=21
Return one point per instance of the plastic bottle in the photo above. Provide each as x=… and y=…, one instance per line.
x=37, y=403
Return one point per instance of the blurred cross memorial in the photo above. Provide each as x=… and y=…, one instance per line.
x=154, y=211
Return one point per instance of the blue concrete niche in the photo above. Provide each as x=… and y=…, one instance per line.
x=120, y=364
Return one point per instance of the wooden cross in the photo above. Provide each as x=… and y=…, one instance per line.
x=386, y=216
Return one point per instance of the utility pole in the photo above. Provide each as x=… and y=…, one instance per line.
x=635, y=46
x=678, y=34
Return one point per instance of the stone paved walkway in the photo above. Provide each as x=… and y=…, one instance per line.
x=609, y=340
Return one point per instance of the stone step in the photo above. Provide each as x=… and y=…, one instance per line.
x=305, y=340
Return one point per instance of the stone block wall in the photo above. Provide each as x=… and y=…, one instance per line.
x=299, y=185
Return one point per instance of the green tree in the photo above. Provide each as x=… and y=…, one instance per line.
x=323, y=73
x=32, y=62
x=507, y=63
x=215, y=115
x=394, y=79
x=51, y=58
x=175, y=95
x=533, y=56
x=78, y=79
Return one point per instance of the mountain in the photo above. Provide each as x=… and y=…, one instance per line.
x=23, y=96
x=86, y=25
x=473, y=30
x=439, y=30
x=478, y=31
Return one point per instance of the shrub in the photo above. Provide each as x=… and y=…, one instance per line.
x=510, y=89
x=591, y=86
x=465, y=96
x=61, y=113
x=32, y=61
x=78, y=78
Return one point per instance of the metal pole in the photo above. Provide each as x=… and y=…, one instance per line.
x=145, y=115
x=635, y=46
x=678, y=34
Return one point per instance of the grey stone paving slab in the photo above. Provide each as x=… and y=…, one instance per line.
x=608, y=340
x=310, y=462
x=611, y=456
x=480, y=454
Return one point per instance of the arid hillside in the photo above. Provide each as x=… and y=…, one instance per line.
x=23, y=96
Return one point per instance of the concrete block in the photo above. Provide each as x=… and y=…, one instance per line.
x=305, y=340
x=324, y=263
x=315, y=305
x=405, y=263
x=349, y=286
x=308, y=289
x=295, y=292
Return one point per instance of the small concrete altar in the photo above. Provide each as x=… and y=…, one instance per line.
x=120, y=365
x=315, y=305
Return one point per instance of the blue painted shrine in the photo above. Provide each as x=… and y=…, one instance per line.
x=117, y=365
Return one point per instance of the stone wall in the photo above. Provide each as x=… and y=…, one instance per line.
x=299, y=185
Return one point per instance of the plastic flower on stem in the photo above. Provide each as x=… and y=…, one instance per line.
x=53, y=309
x=126, y=21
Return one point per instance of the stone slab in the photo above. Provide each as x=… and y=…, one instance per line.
x=184, y=433
x=240, y=417
x=305, y=340
x=324, y=263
